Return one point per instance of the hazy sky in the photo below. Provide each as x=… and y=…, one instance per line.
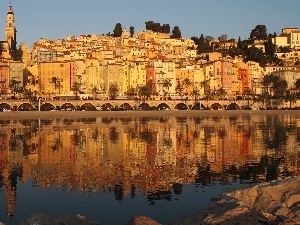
x=58, y=18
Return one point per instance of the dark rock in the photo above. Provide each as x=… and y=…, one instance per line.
x=42, y=219
x=141, y=220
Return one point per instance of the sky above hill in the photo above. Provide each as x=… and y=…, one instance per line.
x=56, y=19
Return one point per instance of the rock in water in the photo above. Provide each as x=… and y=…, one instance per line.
x=42, y=219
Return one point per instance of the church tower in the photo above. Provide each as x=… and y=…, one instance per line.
x=11, y=32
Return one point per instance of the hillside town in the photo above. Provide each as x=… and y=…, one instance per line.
x=155, y=65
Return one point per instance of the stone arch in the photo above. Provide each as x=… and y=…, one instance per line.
x=144, y=106
x=125, y=106
x=181, y=106
x=26, y=107
x=233, y=106
x=5, y=106
x=88, y=107
x=107, y=107
x=216, y=106
x=47, y=107
x=68, y=107
x=163, y=106
x=197, y=106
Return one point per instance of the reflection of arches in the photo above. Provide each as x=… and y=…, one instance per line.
x=107, y=120
x=163, y=106
x=68, y=107
x=26, y=122
x=125, y=106
x=125, y=120
x=47, y=107
x=216, y=106
x=144, y=106
x=181, y=106
x=197, y=106
x=163, y=119
x=26, y=107
x=5, y=106
x=88, y=107
x=107, y=107
x=233, y=106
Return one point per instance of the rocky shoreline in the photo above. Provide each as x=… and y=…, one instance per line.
x=274, y=203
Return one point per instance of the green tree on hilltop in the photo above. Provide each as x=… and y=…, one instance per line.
x=259, y=33
x=131, y=31
x=117, y=32
x=176, y=33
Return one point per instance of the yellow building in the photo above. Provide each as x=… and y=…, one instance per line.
x=137, y=72
x=113, y=73
x=56, y=77
x=185, y=77
x=92, y=74
x=199, y=79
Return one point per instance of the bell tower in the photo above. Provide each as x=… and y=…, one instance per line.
x=11, y=32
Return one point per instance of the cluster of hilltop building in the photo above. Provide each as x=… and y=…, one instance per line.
x=95, y=62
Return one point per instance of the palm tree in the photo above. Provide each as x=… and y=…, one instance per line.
x=195, y=93
x=186, y=84
x=76, y=88
x=221, y=93
x=205, y=85
x=56, y=82
x=94, y=91
x=179, y=89
x=32, y=79
x=290, y=97
x=264, y=97
x=270, y=80
x=248, y=93
x=297, y=83
x=13, y=85
x=167, y=84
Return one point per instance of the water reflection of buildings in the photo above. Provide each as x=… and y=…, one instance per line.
x=147, y=155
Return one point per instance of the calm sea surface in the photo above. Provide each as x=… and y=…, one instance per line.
x=111, y=169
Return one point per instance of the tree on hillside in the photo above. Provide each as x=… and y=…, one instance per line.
x=117, y=32
x=255, y=54
x=259, y=33
x=131, y=31
x=176, y=33
x=202, y=44
x=270, y=47
x=223, y=37
x=156, y=27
